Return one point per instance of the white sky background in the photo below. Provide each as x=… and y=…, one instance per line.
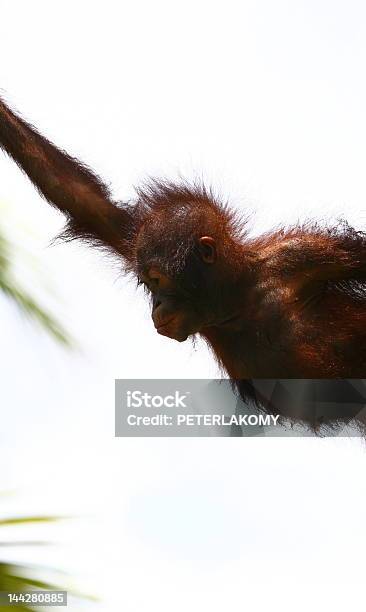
x=266, y=101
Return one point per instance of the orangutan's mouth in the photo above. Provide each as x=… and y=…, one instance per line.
x=175, y=334
x=228, y=321
x=164, y=324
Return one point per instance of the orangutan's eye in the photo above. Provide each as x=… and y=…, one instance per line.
x=154, y=280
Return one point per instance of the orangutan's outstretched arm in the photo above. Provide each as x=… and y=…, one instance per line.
x=66, y=183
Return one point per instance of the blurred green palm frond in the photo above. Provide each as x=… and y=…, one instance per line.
x=15, y=578
x=10, y=288
x=18, y=578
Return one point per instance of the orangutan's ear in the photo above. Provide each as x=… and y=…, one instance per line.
x=207, y=247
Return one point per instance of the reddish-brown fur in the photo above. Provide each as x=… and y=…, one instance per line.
x=296, y=298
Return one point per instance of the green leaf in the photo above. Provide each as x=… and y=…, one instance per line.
x=26, y=302
x=19, y=520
